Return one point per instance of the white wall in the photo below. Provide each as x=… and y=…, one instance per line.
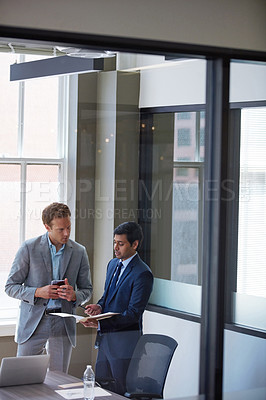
x=183, y=375
x=247, y=82
x=244, y=362
x=234, y=24
x=184, y=83
x=244, y=357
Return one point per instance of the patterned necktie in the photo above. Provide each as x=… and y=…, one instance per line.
x=114, y=281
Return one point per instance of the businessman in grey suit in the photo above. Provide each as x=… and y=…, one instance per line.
x=39, y=261
x=127, y=289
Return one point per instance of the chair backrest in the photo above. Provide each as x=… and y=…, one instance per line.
x=149, y=365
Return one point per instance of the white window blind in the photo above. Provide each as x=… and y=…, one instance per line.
x=251, y=268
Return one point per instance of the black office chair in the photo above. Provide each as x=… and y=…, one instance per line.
x=149, y=365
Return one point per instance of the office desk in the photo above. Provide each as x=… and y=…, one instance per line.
x=46, y=390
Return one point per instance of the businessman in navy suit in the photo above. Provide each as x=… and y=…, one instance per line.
x=127, y=289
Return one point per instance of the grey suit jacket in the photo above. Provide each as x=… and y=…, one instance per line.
x=32, y=268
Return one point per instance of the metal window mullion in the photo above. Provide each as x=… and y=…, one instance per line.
x=214, y=244
x=233, y=211
x=30, y=161
x=64, y=132
x=21, y=104
x=23, y=180
x=200, y=221
x=61, y=180
x=187, y=164
x=61, y=116
x=61, y=127
x=197, y=150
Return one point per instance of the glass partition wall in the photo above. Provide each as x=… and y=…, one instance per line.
x=246, y=279
x=161, y=141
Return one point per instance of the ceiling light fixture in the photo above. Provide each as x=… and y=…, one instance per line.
x=85, y=53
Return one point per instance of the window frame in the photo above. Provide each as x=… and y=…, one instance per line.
x=67, y=122
x=145, y=166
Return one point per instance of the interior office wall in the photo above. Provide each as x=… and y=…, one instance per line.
x=187, y=81
x=244, y=359
x=84, y=352
x=183, y=375
x=104, y=177
x=236, y=24
x=244, y=362
x=127, y=148
x=116, y=172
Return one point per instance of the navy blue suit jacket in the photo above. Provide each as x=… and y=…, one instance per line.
x=129, y=298
x=119, y=334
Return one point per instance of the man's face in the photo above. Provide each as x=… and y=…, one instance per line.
x=59, y=230
x=122, y=248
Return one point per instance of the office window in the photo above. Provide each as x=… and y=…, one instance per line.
x=185, y=226
x=184, y=138
x=251, y=274
x=40, y=124
x=9, y=102
x=184, y=115
x=176, y=185
x=32, y=161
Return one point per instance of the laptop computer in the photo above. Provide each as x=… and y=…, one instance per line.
x=23, y=370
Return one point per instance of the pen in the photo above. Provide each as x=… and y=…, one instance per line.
x=82, y=307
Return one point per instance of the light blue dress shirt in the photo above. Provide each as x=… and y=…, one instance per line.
x=125, y=264
x=56, y=258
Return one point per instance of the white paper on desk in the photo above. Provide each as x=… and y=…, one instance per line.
x=78, y=393
x=65, y=315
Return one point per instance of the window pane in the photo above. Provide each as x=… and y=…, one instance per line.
x=9, y=233
x=185, y=226
x=41, y=118
x=250, y=298
x=173, y=191
x=251, y=272
x=202, y=136
x=42, y=188
x=189, y=136
x=247, y=279
x=9, y=97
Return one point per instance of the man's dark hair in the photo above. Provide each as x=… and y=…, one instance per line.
x=55, y=210
x=132, y=230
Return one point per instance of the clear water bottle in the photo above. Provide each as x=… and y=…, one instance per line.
x=88, y=382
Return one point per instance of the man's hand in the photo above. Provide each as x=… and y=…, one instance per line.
x=90, y=324
x=66, y=291
x=93, y=309
x=47, y=292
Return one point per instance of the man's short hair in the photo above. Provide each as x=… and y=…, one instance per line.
x=55, y=210
x=132, y=230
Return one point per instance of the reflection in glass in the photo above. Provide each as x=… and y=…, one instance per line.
x=185, y=225
x=189, y=136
